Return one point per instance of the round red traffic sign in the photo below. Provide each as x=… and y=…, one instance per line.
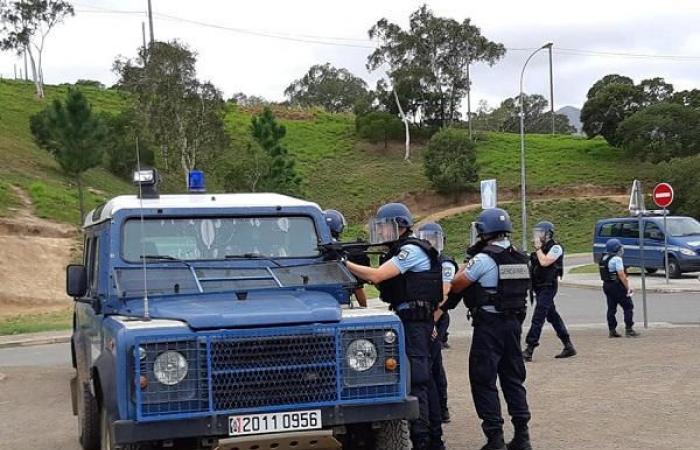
x=662, y=195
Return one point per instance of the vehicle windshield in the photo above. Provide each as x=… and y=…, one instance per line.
x=179, y=279
x=216, y=238
x=682, y=226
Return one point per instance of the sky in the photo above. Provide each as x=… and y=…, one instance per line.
x=236, y=53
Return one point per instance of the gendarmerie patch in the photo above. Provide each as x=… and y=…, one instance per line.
x=403, y=254
x=513, y=272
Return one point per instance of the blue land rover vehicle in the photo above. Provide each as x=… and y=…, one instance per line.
x=208, y=320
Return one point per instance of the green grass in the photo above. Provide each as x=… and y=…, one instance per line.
x=7, y=199
x=554, y=161
x=34, y=323
x=587, y=269
x=23, y=164
x=574, y=221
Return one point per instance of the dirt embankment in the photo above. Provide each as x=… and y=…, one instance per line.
x=33, y=256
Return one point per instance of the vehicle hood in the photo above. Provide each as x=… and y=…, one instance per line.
x=688, y=241
x=262, y=308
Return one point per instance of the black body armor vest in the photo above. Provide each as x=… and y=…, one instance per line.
x=513, y=282
x=605, y=273
x=546, y=276
x=413, y=290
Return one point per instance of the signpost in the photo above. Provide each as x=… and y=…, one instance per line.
x=488, y=194
x=636, y=207
x=663, y=197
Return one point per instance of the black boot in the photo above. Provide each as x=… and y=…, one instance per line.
x=614, y=334
x=568, y=350
x=521, y=440
x=495, y=441
x=629, y=332
x=527, y=353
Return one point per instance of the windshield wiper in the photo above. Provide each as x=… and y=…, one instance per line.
x=174, y=259
x=254, y=256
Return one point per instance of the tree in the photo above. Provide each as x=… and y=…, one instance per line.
x=450, y=160
x=432, y=58
x=184, y=115
x=603, y=113
x=682, y=174
x=241, y=99
x=538, y=118
x=281, y=175
x=661, y=132
x=73, y=134
x=336, y=90
x=613, y=78
x=655, y=90
x=248, y=171
x=25, y=27
x=690, y=98
x=123, y=132
x=379, y=126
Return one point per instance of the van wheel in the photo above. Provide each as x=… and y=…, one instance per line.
x=88, y=419
x=674, y=269
x=651, y=270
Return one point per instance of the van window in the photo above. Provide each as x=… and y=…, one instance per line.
x=652, y=231
x=630, y=230
x=608, y=230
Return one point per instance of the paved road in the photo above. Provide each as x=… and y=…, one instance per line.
x=35, y=410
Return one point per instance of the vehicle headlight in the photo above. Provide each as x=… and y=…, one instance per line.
x=361, y=355
x=688, y=252
x=390, y=337
x=170, y=368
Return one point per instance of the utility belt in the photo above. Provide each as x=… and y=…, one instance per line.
x=479, y=316
x=545, y=284
x=416, y=310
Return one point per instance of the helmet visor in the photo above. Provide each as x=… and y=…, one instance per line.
x=538, y=235
x=382, y=231
x=436, y=239
x=473, y=233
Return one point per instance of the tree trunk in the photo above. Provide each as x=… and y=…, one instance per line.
x=407, y=155
x=35, y=74
x=81, y=199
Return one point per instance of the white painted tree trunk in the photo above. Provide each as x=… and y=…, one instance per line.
x=407, y=154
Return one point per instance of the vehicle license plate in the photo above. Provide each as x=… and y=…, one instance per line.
x=274, y=422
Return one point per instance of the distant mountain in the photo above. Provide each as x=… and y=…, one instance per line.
x=574, y=115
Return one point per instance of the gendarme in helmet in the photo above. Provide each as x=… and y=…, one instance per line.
x=336, y=222
x=391, y=222
x=433, y=233
x=493, y=222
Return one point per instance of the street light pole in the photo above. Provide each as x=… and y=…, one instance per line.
x=523, y=194
x=551, y=88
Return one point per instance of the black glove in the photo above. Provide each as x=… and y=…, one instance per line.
x=453, y=299
x=359, y=257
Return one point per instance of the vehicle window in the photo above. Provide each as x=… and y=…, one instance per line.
x=630, y=230
x=92, y=262
x=607, y=230
x=215, y=238
x=652, y=231
x=682, y=226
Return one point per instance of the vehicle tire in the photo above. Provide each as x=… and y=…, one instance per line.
x=674, y=269
x=651, y=270
x=393, y=435
x=88, y=419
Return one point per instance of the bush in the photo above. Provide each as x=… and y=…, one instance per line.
x=450, y=160
x=682, y=173
x=661, y=132
x=379, y=127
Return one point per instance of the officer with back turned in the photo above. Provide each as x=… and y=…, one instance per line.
x=410, y=280
x=494, y=285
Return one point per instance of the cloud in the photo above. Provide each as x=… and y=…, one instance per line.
x=86, y=45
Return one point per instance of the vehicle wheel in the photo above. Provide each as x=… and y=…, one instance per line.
x=651, y=270
x=88, y=419
x=674, y=269
x=393, y=435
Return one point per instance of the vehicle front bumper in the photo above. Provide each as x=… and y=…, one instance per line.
x=130, y=432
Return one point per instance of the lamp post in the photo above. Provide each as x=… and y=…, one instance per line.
x=548, y=45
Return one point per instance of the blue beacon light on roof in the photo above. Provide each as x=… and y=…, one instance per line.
x=195, y=181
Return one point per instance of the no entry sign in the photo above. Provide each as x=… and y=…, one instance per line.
x=662, y=195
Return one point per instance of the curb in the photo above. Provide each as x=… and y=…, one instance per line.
x=29, y=340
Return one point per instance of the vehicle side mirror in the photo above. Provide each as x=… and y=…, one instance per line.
x=76, y=280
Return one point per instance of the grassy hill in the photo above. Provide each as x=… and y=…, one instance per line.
x=340, y=170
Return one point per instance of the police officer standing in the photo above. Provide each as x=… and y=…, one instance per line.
x=616, y=286
x=410, y=280
x=547, y=264
x=494, y=285
x=433, y=233
x=336, y=223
